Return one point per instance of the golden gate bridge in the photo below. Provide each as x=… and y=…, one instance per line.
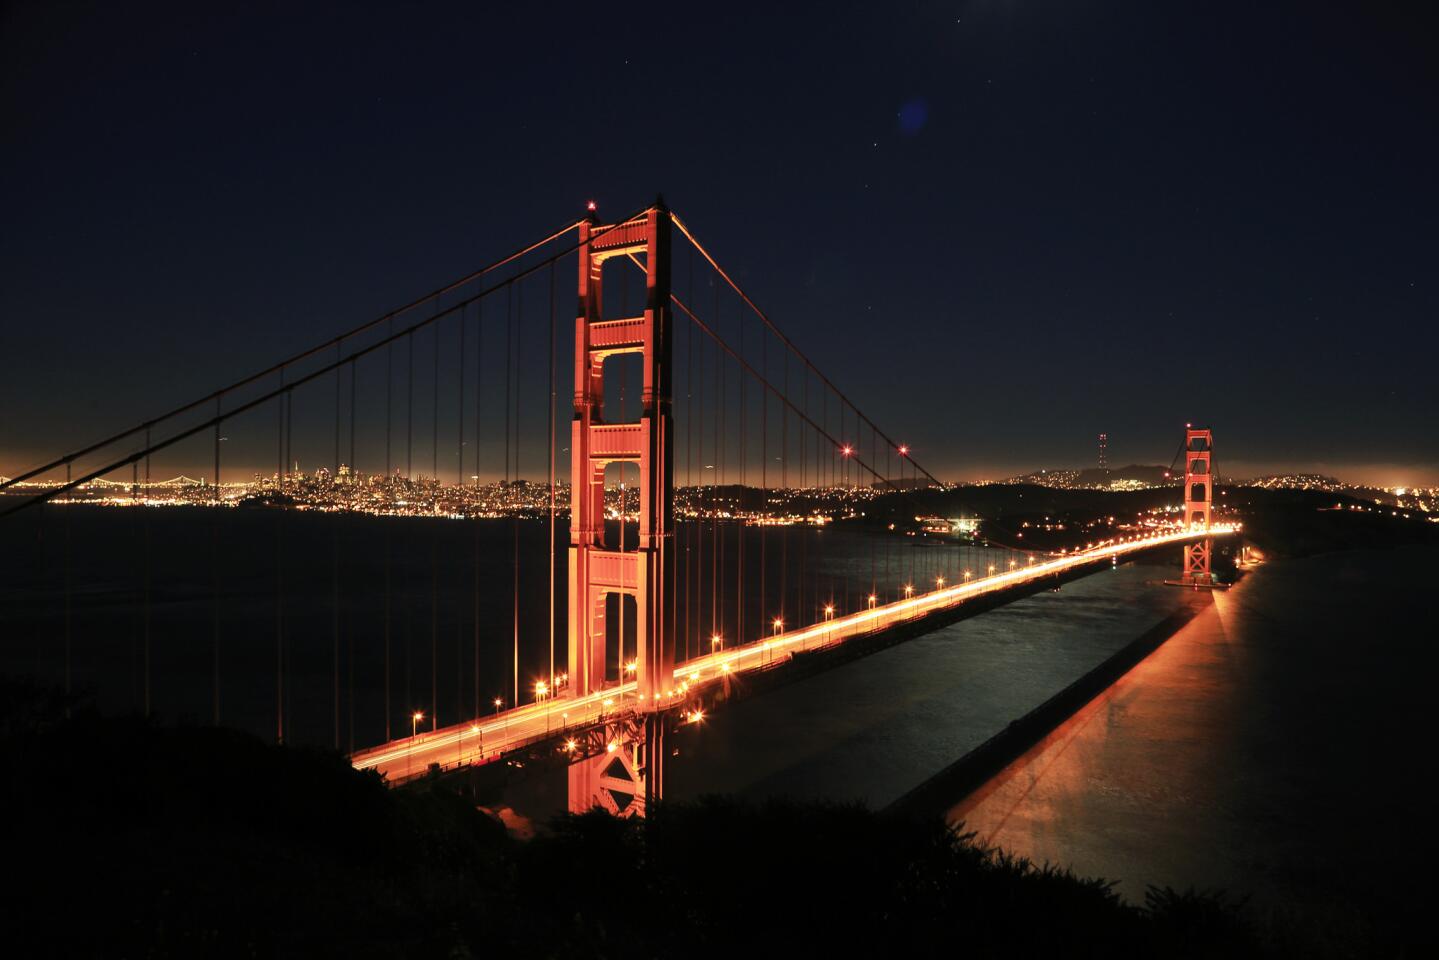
x=679, y=382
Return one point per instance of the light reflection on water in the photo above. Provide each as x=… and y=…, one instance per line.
x=1275, y=746
x=873, y=729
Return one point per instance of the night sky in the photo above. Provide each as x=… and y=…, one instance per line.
x=1002, y=227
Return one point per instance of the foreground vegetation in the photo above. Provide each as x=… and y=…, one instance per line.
x=129, y=839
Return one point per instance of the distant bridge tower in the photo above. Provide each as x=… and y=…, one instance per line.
x=1198, y=501
x=1104, y=452
x=598, y=568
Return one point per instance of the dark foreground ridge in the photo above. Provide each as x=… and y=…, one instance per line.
x=136, y=839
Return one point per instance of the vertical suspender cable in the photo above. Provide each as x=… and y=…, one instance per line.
x=784, y=485
x=459, y=490
x=721, y=443
x=410, y=406
x=350, y=633
x=435, y=415
x=435, y=536
x=290, y=464
x=804, y=535
x=434, y=622
x=873, y=458
x=460, y=416
x=743, y=490
x=335, y=568
x=551, y=594
x=68, y=591
x=620, y=417
x=479, y=397
x=335, y=466
x=689, y=454
x=389, y=525
x=280, y=568
x=354, y=371
x=505, y=490
x=516, y=327
x=215, y=574
x=146, y=631
x=763, y=475
x=718, y=415
x=335, y=621
x=139, y=588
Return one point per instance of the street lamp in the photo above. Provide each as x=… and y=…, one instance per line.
x=716, y=642
x=542, y=688
x=873, y=600
x=939, y=582
x=778, y=626
x=829, y=611
x=909, y=589
x=415, y=719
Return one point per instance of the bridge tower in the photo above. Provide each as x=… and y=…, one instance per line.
x=597, y=568
x=1198, y=501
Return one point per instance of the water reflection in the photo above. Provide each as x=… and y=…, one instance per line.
x=1276, y=746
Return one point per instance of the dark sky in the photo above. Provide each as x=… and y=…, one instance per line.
x=1002, y=226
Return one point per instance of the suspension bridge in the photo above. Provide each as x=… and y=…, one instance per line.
x=587, y=588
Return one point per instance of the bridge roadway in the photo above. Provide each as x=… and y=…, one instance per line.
x=492, y=736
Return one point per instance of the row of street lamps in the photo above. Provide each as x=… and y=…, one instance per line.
x=543, y=689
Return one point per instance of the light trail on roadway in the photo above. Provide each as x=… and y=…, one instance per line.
x=489, y=738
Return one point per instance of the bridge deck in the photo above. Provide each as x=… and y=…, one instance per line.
x=493, y=736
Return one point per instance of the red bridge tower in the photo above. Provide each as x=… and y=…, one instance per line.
x=599, y=568
x=623, y=773
x=1198, y=501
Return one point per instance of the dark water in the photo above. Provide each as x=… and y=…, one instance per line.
x=875, y=728
x=1278, y=747
x=437, y=596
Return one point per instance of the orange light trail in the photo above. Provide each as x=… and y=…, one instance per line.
x=508, y=729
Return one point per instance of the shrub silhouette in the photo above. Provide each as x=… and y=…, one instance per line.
x=133, y=839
